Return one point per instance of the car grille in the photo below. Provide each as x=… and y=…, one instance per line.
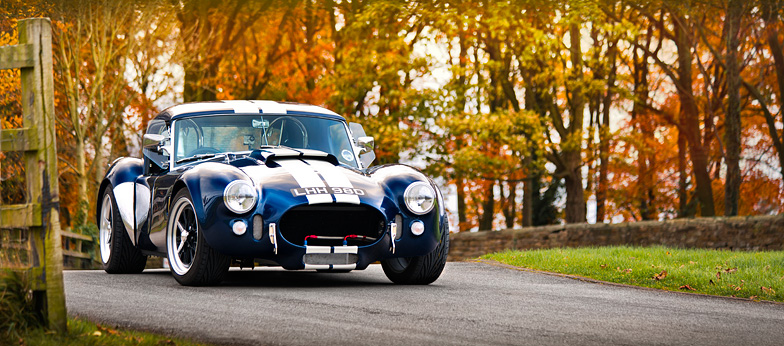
x=332, y=224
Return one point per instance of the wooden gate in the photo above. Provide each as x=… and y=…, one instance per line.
x=39, y=216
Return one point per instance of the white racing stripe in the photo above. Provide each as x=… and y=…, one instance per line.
x=334, y=178
x=243, y=106
x=306, y=177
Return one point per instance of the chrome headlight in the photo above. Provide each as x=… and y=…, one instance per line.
x=420, y=198
x=239, y=196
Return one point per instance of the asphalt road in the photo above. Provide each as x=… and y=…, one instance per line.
x=471, y=304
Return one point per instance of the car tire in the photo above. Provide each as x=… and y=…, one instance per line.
x=192, y=261
x=117, y=253
x=420, y=270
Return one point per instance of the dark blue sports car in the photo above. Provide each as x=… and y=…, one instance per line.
x=270, y=184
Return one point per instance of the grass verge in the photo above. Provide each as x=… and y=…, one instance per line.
x=19, y=324
x=82, y=332
x=753, y=275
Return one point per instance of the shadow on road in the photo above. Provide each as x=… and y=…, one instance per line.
x=275, y=277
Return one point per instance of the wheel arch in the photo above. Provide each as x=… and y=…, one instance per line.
x=205, y=184
x=121, y=171
x=395, y=178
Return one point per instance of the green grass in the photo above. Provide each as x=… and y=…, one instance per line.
x=81, y=332
x=19, y=324
x=754, y=275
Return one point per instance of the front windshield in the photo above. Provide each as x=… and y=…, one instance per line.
x=216, y=134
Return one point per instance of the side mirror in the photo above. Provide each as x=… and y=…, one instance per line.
x=153, y=142
x=157, y=143
x=366, y=145
x=155, y=151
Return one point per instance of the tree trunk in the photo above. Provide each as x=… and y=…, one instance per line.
x=575, y=201
x=488, y=206
x=461, y=205
x=732, y=123
x=770, y=10
x=683, y=196
x=510, y=207
x=643, y=122
x=604, y=137
x=528, y=194
x=689, y=118
x=82, y=179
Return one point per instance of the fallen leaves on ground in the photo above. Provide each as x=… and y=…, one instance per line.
x=768, y=290
x=660, y=276
x=108, y=330
x=730, y=270
x=687, y=287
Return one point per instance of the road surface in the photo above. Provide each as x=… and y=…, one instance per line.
x=471, y=304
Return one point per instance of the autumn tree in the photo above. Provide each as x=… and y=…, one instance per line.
x=91, y=42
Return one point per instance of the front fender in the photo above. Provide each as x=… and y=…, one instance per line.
x=206, y=184
x=121, y=178
x=395, y=178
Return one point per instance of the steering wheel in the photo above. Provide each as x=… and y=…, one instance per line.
x=203, y=150
x=291, y=137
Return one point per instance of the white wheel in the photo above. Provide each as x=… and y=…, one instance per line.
x=183, y=237
x=105, y=228
x=118, y=254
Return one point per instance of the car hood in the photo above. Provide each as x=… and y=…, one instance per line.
x=310, y=177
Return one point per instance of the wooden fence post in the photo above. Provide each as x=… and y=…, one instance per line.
x=40, y=215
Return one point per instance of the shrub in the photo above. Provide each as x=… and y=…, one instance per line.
x=17, y=309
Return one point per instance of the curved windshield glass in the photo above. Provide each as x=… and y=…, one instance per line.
x=209, y=135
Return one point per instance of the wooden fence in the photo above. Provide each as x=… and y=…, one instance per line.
x=37, y=221
x=78, y=250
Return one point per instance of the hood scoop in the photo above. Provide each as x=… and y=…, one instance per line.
x=270, y=155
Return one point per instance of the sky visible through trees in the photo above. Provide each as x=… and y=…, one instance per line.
x=526, y=112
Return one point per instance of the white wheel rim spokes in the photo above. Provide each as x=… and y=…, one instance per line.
x=182, y=237
x=106, y=228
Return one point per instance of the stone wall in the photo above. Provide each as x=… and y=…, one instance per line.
x=732, y=233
